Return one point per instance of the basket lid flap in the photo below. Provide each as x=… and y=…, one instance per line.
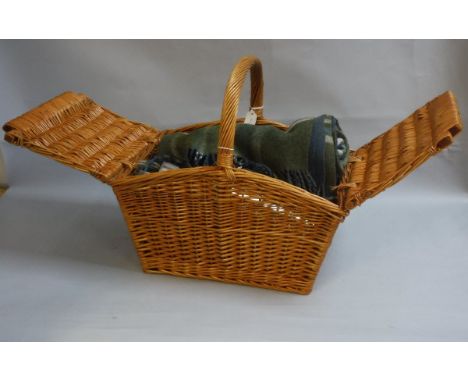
x=392, y=155
x=72, y=129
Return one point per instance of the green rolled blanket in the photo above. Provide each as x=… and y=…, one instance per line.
x=312, y=153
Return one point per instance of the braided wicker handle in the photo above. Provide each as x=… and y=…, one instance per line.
x=231, y=105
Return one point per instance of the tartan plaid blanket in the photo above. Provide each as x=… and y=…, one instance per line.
x=312, y=153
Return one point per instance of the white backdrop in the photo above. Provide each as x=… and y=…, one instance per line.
x=396, y=269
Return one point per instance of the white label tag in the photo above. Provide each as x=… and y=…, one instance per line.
x=250, y=118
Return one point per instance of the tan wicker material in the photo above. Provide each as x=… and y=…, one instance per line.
x=392, y=155
x=76, y=131
x=220, y=222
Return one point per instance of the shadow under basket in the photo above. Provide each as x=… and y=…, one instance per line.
x=220, y=222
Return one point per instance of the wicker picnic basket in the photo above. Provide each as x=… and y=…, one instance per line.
x=220, y=222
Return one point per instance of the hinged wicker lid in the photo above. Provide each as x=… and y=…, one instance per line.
x=391, y=156
x=72, y=129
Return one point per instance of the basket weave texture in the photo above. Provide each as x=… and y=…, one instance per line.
x=73, y=129
x=220, y=222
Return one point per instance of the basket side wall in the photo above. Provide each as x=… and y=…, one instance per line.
x=252, y=230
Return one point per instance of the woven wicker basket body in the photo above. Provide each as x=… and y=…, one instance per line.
x=224, y=223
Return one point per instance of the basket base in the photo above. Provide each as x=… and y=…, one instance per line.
x=303, y=290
